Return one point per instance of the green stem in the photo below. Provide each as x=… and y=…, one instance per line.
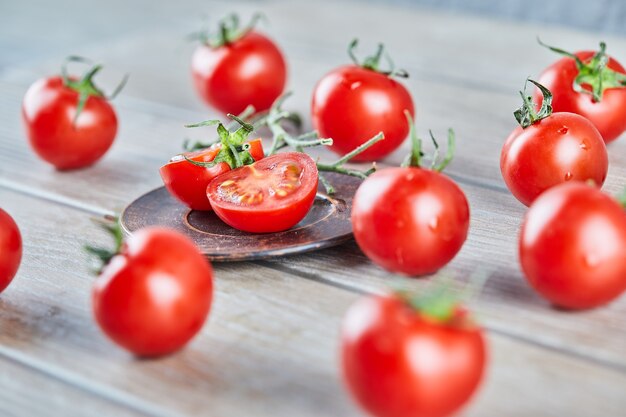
x=114, y=229
x=526, y=115
x=372, y=62
x=327, y=185
x=622, y=198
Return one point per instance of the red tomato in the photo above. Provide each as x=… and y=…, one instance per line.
x=563, y=147
x=399, y=363
x=573, y=246
x=271, y=195
x=10, y=249
x=410, y=220
x=155, y=295
x=352, y=104
x=249, y=70
x=607, y=115
x=188, y=182
x=48, y=112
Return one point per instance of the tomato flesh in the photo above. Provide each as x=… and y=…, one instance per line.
x=48, y=112
x=155, y=296
x=573, y=246
x=249, y=71
x=10, y=249
x=352, y=104
x=397, y=363
x=188, y=182
x=607, y=115
x=271, y=195
x=411, y=221
x=563, y=147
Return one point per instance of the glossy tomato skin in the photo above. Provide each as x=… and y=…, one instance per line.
x=352, y=104
x=397, y=363
x=573, y=246
x=248, y=71
x=607, y=115
x=412, y=221
x=10, y=249
x=48, y=112
x=563, y=147
x=188, y=182
x=155, y=296
x=271, y=195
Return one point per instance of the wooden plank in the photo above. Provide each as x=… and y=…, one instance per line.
x=146, y=140
x=270, y=347
x=24, y=392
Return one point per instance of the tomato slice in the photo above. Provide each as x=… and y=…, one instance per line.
x=188, y=182
x=271, y=195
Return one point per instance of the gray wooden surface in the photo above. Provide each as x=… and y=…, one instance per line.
x=270, y=346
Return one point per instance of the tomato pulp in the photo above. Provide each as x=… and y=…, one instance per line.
x=188, y=182
x=271, y=195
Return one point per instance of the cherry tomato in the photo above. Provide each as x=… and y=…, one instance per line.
x=188, y=182
x=271, y=195
x=10, y=249
x=249, y=70
x=353, y=103
x=60, y=130
x=398, y=362
x=573, y=246
x=155, y=295
x=606, y=111
x=554, y=148
x=410, y=220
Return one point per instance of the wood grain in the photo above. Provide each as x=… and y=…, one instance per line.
x=270, y=347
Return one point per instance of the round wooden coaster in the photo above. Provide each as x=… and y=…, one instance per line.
x=327, y=224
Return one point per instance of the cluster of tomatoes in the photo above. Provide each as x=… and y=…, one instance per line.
x=401, y=354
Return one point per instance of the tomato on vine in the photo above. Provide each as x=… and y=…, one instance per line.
x=187, y=176
x=153, y=292
x=408, y=356
x=10, y=249
x=591, y=84
x=573, y=246
x=411, y=220
x=237, y=67
x=355, y=102
x=548, y=149
x=68, y=121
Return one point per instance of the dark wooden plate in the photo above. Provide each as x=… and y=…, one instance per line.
x=327, y=224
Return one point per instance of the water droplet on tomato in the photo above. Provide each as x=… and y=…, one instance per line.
x=355, y=85
x=591, y=261
x=583, y=145
x=568, y=176
x=563, y=130
x=433, y=224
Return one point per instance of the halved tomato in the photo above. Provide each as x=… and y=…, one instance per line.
x=271, y=195
x=188, y=182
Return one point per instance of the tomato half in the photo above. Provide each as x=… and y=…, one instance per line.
x=410, y=220
x=188, y=182
x=562, y=147
x=607, y=115
x=398, y=363
x=271, y=195
x=573, y=246
x=155, y=295
x=250, y=70
x=48, y=112
x=10, y=249
x=352, y=104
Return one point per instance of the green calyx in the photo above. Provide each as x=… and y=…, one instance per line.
x=622, y=198
x=526, y=115
x=113, y=227
x=414, y=159
x=594, y=73
x=85, y=86
x=230, y=30
x=372, y=62
x=234, y=150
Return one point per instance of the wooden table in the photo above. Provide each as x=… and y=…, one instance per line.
x=270, y=346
